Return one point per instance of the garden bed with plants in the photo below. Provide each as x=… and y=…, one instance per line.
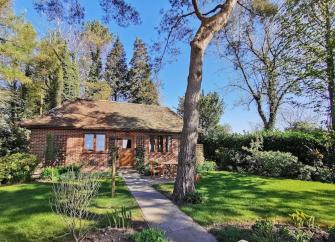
x=225, y=198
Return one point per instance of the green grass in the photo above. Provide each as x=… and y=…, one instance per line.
x=234, y=197
x=25, y=213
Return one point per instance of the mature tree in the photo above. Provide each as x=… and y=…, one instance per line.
x=96, y=36
x=141, y=88
x=311, y=22
x=210, y=110
x=262, y=53
x=178, y=22
x=116, y=70
x=17, y=42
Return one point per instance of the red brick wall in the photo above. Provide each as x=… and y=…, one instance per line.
x=71, y=144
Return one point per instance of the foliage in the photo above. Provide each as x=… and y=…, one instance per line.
x=210, y=111
x=13, y=139
x=194, y=197
x=148, y=235
x=71, y=200
x=51, y=150
x=206, y=166
x=116, y=71
x=235, y=197
x=141, y=88
x=231, y=234
x=268, y=163
x=140, y=165
x=300, y=144
x=301, y=219
x=17, y=167
x=263, y=232
x=120, y=218
x=56, y=173
x=331, y=232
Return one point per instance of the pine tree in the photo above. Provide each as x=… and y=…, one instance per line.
x=116, y=71
x=140, y=86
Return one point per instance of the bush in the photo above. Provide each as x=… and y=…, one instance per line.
x=17, y=167
x=193, y=197
x=57, y=173
x=206, y=166
x=149, y=235
x=309, y=147
x=262, y=231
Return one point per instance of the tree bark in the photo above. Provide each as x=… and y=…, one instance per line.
x=187, y=158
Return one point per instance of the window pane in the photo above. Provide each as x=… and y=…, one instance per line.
x=168, y=142
x=100, y=142
x=126, y=143
x=89, y=141
x=160, y=143
x=152, y=144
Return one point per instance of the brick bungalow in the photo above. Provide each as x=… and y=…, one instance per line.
x=84, y=130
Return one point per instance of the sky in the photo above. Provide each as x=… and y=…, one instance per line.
x=217, y=73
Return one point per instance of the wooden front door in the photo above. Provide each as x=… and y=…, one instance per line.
x=126, y=152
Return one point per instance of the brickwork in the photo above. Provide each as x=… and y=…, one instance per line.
x=70, y=144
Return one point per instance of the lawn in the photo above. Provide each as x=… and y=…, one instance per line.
x=235, y=197
x=25, y=213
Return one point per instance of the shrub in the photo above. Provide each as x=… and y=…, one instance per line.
x=193, y=197
x=231, y=234
x=262, y=231
x=300, y=144
x=148, y=235
x=206, y=166
x=17, y=167
x=57, y=173
x=71, y=200
x=50, y=173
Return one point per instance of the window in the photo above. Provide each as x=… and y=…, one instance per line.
x=89, y=141
x=139, y=142
x=168, y=142
x=126, y=143
x=160, y=143
x=95, y=142
x=152, y=144
x=100, y=142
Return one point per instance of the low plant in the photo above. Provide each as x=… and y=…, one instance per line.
x=50, y=173
x=231, y=234
x=17, y=167
x=300, y=219
x=206, y=166
x=262, y=231
x=194, y=197
x=71, y=200
x=56, y=173
x=149, y=235
x=120, y=218
x=331, y=233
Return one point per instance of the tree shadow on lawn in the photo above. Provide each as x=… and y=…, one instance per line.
x=26, y=215
x=237, y=197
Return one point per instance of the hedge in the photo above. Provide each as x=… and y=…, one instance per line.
x=308, y=147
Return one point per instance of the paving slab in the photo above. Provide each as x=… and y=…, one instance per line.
x=159, y=212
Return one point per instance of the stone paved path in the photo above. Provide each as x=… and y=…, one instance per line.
x=160, y=212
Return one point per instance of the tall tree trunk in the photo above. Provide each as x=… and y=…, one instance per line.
x=330, y=66
x=187, y=158
x=185, y=173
